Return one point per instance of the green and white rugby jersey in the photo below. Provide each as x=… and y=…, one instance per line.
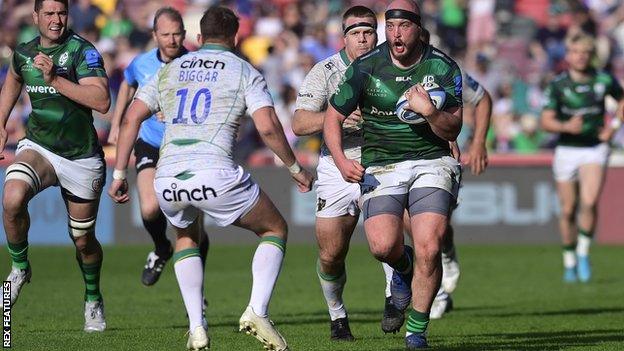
x=56, y=122
x=203, y=96
x=318, y=86
x=569, y=98
x=374, y=83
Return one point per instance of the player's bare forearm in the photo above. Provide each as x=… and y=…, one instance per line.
x=445, y=124
x=11, y=90
x=550, y=123
x=137, y=113
x=91, y=92
x=332, y=133
x=272, y=134
x=124, y=98
x=483, y=113
x=307, y=122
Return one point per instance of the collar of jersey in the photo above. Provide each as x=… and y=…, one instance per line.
x=215, y=47
x=183, y=51
x=422, y=57
x=49, y=50
x=344, y=57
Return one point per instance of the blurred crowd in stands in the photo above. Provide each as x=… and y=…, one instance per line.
x=512, y=47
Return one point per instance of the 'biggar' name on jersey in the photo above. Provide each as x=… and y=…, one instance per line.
x=200, y=70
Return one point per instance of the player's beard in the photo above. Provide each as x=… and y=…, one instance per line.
x=402, y=50
x=171, y=52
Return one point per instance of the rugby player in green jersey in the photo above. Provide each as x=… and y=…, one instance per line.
x=65, y=80
x=574, y=108
x=404, y=166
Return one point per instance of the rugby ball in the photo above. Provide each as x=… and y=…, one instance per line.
x=437, y=96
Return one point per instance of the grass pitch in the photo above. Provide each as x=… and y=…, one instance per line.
x=509, y=298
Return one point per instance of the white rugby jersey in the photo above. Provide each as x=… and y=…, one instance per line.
x=319, y=85
x=203, y=95
x=472, y=91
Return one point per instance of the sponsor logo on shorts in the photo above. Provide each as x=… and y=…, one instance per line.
x=320, y=204
x=198, y=194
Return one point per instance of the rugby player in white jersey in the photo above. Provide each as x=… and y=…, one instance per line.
x=203, y=96
x=337, y=210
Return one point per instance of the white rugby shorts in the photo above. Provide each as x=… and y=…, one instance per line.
x=83, y=177
x=568, y=160
x=401, y=177
x=335, y=196
x=224, y=194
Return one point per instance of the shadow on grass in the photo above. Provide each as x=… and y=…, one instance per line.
x=533, y=341
x=570, y=312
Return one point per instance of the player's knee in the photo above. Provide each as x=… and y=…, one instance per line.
x=80, y=228
x=382, y=251
x=14, y=198
x=150, y=210
x=588, y=207
x=428, y=251
x=331, y=257
x=568, y=213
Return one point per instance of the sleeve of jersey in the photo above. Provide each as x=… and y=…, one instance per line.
x=15, y=67
x=257, y=94
x=148, y=93
x=452, y=84
x=472, y=91
x=345, y=99
x=550, y=98
x=313, y=93
x=615, y=90
x=129, y=74
x=90, y=63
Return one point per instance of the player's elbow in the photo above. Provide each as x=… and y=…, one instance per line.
x=103, y=105
x=297, y=126
x=267, y=130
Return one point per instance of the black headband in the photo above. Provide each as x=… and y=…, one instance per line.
x=359, y=24
x=403, y=14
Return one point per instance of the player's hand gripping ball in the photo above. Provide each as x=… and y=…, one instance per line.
x=437, y=96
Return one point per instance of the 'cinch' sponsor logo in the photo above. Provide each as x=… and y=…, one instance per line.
x=201, y=63
x=175, y=194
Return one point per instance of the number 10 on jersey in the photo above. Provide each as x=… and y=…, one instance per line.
x=197, y=119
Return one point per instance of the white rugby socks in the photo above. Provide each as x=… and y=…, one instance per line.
x=332, y=287
x=265, y=269
x=190, y=275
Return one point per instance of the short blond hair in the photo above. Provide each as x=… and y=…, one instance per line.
x=583, y=39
